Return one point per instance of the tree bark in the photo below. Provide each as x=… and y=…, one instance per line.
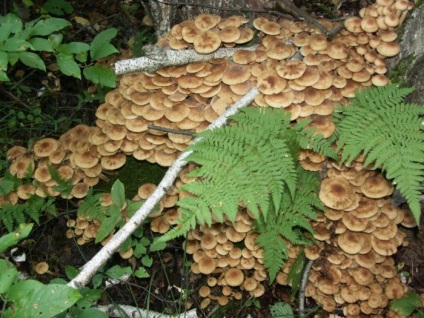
x=164, y=14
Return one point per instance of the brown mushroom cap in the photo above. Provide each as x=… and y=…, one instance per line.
x=42, y=268
x=207, y=265
x=45, y=147
x=351, y=242
x=376, y=187
x=206, y=42
x=234, y=277
x=337, y=193
x=206, y=21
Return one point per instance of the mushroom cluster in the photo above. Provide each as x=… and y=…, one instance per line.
x=357, y=236
x=152, y=115
x=230, y=258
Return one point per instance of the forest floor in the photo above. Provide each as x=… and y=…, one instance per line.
x=169, y=274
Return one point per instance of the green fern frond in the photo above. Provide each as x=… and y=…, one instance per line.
x=63, y=186
x=275, y=249
x=253, y=161
x=389, y=132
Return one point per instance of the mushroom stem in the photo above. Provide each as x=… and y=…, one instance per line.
x=91, y=267
x=302, y=288
x=162, y=58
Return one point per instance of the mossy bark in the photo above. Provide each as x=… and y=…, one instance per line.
x=408, y=67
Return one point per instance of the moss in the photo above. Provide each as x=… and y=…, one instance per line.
x=400, y=73
x=133, y=174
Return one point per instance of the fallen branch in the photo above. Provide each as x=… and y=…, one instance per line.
x=92, y=266
x=130, y=311
x=161, y=58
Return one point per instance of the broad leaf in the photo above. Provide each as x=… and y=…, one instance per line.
x=34, y=299
x=101, y=47
x=32, y=60
x=58, y=7
x=14, y=237
x=100, y=75
x=107, y=227
x=48, y=26
x=3, y=76
x=73, y=48
x=141, y=272
x=117, y=271
x=407, y=304
x=40, y=44
x=8, y=275
x=16, y=44
x=92, y=313
x=118, y=193
x=68, y=66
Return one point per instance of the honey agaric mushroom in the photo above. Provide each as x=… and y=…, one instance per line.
x=45, y=147
x=234, y=277
x=42, y=268
x=376, y=187
x=337, y=193
x=206, y=22
x=207, y=265
x=127, y=253
x=351, y=242
x=206, y=42
x=113, y=162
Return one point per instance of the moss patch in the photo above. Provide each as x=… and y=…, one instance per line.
x=133, y=174
x=400, y=73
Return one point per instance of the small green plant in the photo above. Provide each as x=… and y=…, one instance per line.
x=281, y=310
x=408, y=304
x=24, y=43
x=390, y=134
x=30, y=298
x=12, y=215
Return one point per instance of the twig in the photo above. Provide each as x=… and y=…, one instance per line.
x=302, y=288
x=172, y=131
x=130, y=311
x=270, y=12
x=163, y=58
x=288, y=6
x=91, y=267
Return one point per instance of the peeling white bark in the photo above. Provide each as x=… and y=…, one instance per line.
x=92, y=266
x=134, y=312
x=153, y=62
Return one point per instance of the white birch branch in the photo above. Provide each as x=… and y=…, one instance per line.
x=134, y=312
x=92, y=266
x=164, y=58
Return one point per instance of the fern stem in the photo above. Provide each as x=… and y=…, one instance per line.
x=160, y=58
x=91, y=267
x=302, y=288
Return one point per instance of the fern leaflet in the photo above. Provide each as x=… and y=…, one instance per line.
x=390, y=134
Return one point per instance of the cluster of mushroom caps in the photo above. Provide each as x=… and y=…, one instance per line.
x=74, y=156
x=356, y=236
x=228, y=255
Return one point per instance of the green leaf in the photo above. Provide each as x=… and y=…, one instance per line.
x=92, y=313
x=117, y=271
x=101, y=47
x=40, y=44
x=147, y=261
x=89, y=296
x=14, y=237
x=100, y=75
x=97, y=280
x=71, y=272
x=281, y=310
x=34, y=299
x=6, y=186
x=15, y=44
x=55, y=39
x=407, y=304
x=108, y=225
x=58, y=7
x=73, y=48
x=141, y=272
x=8, y=275
x=3, y=76
x=12, y=23
x=157, y=245
x=68, y=66
x=139, y=250
x=118, y=193
x=32, y=60
x=48, y=26
x=133, y=207
x=12, y=57
x=126, y=245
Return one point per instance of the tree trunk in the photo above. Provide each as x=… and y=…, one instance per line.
x=165, y=15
